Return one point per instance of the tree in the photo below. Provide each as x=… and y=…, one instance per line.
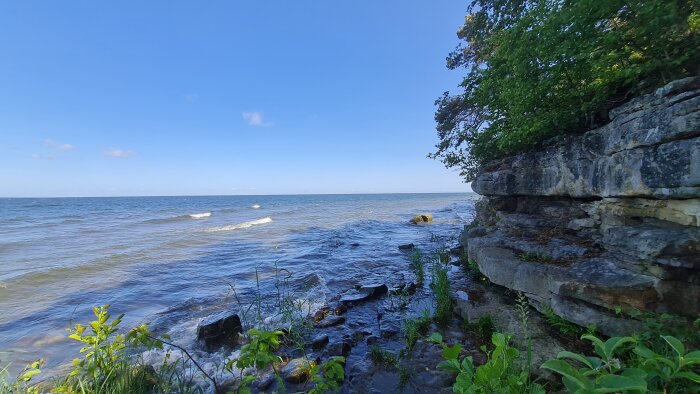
x=540, y=68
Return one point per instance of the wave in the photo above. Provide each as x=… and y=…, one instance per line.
x=240, y=225
x=200, y=215
x=255, y=206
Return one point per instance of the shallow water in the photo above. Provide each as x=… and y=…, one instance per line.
x=172, y=260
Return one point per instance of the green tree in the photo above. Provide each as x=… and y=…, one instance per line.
x=539, y=68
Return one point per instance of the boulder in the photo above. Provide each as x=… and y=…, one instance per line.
x=422, y=218
x=220, y=330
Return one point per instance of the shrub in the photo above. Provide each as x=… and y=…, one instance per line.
x=328, y=376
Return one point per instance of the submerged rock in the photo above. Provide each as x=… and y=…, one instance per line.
x=319, y=342
x=220, y=330
x=422, y=218
x=407, y=246
x=364, y=293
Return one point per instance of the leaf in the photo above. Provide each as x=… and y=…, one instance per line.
x=612, y=344
x=616, y=383
x=577, y=357
x=435, y=338
x=451, y=352
x=566, y=370
x=692, y=376
x=675, y=344
x=692, y=358
x=449, y=365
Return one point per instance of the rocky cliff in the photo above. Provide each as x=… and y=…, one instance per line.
x=606, y=220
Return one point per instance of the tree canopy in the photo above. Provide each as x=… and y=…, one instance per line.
x=539, y=68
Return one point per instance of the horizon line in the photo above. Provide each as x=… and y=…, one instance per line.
x=240, y=195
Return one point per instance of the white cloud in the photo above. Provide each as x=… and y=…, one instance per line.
x=53, y=144
x=36, y=157
x=255, y=119
x=119, y=153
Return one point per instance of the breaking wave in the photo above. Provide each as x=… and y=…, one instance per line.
x=200, y=215
x=240, y=225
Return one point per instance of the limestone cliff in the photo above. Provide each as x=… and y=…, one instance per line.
x=607, y=219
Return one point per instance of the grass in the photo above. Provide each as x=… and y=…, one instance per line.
x=418, y=266
x=414, y=329
x=381, y=356
x=404, y=378
x=483, y=328
x=563, y=326
x=441, y=289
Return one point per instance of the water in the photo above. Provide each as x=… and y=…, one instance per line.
x=170, y=261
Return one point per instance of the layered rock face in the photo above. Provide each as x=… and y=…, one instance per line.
x=606, y=220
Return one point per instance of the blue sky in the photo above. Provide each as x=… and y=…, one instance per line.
x=223, y=97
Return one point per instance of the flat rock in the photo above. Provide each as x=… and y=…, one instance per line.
x=330, y=321
x=364, y=293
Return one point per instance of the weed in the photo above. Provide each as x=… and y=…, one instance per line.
x=410, y=333
x=441, y=288
x=404, y=378
x=328, y=376
x=563, y=326
x=381, y=356
x=483, y=328
x=418, y=266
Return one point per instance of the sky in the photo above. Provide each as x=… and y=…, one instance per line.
x=125, y=98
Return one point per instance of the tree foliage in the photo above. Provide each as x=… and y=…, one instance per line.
x=539, y=68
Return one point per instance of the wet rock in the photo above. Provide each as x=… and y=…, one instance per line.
x=354, y=244
x=422, y=218
x=265, y=382
x=457, y=250
x=410, y=288
x=297, y=370
x=319, y=315
x=319, y=342
x=389, y=330
x=340, y=309
x=219, y=330
x=364, y=293
x=340, y=348
x=330, y=321
x=407, y=247
x=359, y=336
x=372, y=340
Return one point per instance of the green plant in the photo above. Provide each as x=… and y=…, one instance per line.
x=410, y=333
x=22, y=384
x=563, y=326
x=502, y=372
x=418, y=266
x=604, y=373
x=674, y=373
x=472, y=268
x=484, y=327
x=441, y=288
x=539, y=68
x=257, y=353
x=381, y=356
x=443, y=255
x=404, y=378
x=327, y=377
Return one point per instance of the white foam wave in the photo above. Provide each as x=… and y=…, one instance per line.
x=200, y=215
x=256, y=206
x=240, y=225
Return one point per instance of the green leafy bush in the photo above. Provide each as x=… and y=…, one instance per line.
x=503, y=372
x=623, y=365
x=540, y=68
x=328, y=377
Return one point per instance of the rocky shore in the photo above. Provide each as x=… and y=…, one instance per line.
x=604, y=222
